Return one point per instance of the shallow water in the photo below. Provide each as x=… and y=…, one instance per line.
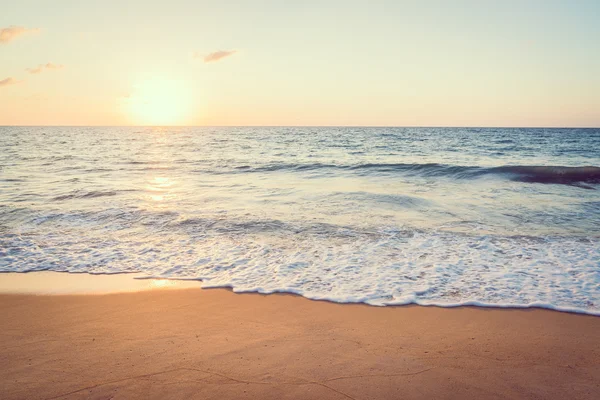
x=446, y=216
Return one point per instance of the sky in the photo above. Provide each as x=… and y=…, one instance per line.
x=357, y=63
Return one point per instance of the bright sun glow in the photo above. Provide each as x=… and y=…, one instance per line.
x=160, y=102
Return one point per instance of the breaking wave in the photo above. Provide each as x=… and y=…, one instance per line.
x=522, y=173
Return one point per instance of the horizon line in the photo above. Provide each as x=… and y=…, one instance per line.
x=304, y=126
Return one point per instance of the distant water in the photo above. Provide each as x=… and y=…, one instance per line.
x=444, y=216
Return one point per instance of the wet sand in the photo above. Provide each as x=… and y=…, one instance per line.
x=215, y=344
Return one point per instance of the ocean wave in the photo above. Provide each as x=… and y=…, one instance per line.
x=552, y=174
x=85, y=195
x=567, y=175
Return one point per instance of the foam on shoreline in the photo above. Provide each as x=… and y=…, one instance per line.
x=64, y=283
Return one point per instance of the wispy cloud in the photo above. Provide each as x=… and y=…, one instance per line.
x=215, y=56
x=41, y=67
x=8, y=81
x=54, y=66
x=12, y=32
x=36, y=70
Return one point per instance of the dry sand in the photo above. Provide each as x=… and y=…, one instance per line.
x=205, y=344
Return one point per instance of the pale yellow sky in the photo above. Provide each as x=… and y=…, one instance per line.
x=401, y=63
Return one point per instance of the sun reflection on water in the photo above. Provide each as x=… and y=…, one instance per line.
x=160, y=188
x=161, y=283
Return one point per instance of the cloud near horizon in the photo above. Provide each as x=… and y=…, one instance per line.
x=8, y=81
x=12, y=32
x=41, y=67
x=215, y=56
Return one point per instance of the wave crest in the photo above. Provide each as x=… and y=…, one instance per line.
x=521, y=173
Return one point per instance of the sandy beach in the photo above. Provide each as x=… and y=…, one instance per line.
x=205, y=344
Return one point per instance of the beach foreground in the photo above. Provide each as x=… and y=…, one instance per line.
x=193, y=343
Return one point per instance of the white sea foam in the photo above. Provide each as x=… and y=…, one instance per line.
x=426, y=268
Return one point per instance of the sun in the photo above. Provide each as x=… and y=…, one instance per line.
x=160, y=102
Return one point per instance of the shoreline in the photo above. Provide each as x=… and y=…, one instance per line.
x=190, y=343
x=83, y=283
x=77, y=283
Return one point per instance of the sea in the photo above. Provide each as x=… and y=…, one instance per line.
x=490, y=217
